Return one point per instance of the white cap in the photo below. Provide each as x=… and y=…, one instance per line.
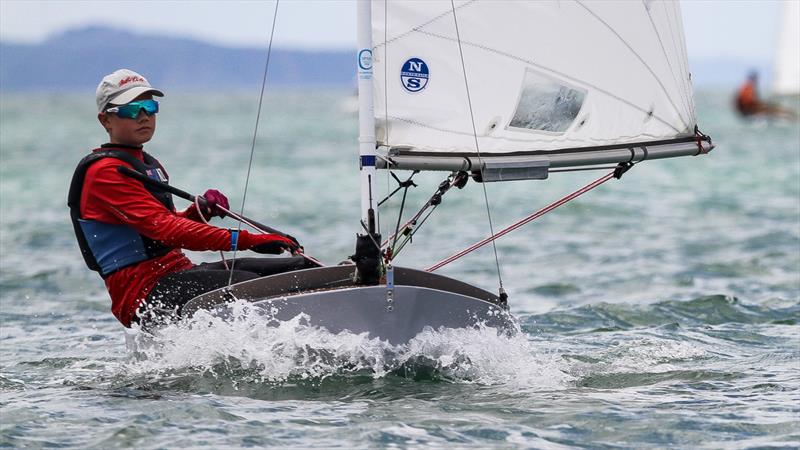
x=122, y=87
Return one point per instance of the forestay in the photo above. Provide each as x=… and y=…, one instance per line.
x=545, y=78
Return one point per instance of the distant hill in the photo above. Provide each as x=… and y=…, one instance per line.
x=77, y=59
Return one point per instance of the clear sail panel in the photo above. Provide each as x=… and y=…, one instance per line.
x=546, y=105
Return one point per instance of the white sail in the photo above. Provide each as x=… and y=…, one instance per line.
x=787, y=58
x=543, y=76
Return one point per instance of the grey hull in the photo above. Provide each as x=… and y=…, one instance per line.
x=331, y=301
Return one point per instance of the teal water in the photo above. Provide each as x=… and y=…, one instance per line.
x=657, y=311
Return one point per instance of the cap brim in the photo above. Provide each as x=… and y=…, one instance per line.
x=132, y=93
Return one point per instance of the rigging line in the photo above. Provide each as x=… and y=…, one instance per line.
x=638, y=56
x=400, y=185
x=477, y=146
x=255, y=132
x=411, y=234
x=399, y=218
x=523, y=221
x=422, y=210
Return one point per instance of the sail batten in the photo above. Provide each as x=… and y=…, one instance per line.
x=557, y=75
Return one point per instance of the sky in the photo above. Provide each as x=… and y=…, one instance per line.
x=742, y=30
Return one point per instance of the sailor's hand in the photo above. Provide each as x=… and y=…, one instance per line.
x=213, y=199
x=274, y=244
x=298, y=248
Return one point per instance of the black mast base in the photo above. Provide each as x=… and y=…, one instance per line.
x=368, y=259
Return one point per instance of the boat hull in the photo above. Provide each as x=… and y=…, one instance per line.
x=328, y=298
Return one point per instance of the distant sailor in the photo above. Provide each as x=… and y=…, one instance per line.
x=132, y=235
x=748, y=103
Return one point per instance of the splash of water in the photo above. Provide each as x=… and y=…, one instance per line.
x=295, y=350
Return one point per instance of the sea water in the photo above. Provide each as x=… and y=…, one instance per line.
x=660, y=310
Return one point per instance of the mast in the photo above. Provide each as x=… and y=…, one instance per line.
x=367, y=256
x=366, y=117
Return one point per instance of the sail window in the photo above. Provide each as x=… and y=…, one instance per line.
x=546, y=105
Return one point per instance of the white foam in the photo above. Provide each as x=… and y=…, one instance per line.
x=295, y=350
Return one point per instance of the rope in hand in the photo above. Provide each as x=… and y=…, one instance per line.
x=256, y=227
x=203, y=218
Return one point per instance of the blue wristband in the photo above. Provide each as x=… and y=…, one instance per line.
x=234, y=239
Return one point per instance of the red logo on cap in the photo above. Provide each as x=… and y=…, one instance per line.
x=130, y=79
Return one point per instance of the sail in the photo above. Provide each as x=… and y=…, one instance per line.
x=544, y=77
x=787, y=57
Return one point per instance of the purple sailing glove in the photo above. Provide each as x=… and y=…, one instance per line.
x=213, y=199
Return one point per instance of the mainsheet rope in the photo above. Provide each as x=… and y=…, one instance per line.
x=477, y=148
x=255, y=134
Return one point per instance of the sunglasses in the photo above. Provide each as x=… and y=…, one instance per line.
x=131, y=110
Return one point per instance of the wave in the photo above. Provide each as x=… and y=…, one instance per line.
x=706, y=310
x=241, y=355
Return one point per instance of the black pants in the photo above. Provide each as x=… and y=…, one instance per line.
x=165, y=301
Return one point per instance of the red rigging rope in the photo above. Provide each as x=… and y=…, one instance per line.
x=524, y=221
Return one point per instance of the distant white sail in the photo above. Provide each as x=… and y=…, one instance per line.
x=787, y=57
x=543, y=75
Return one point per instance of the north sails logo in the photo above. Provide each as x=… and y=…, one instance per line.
x=414, y=75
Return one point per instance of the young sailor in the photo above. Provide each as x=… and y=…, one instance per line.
x=131, y=233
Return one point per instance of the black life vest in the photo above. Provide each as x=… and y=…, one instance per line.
x=106, y=247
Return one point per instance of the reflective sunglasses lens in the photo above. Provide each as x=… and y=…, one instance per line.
x=131, y=110
x=149, y=106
